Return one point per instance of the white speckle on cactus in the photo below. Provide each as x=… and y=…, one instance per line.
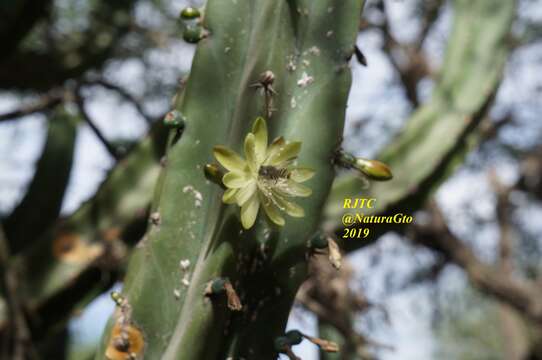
x=155, y=218
x=329, y=33
x=184, y=264
x=197, y=194
x=314, y=51
x=293, y=102
x=177, y=294
x=185, y=281
x=330, y=9
x=305, y=80
x=290, y=66
x=227, y=49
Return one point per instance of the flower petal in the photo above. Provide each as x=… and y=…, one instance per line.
x=245, y=193
x=235, y=180
x=259, y=129
x=295, y=189
x=286, y=152
x=301, y=174
x=274, y=148
x=291, y=208
x=229, y=196
x=229, y=158
x=272, y=212
x=249, y=211
x=250, y=152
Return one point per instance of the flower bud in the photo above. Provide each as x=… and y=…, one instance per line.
x=117, y=298
x=189, y=13
x=193, y=34
x=373, y=169
x=214, y=174
x=294, y=337
x=174, y=119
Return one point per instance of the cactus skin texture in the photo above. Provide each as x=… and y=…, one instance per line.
x=307, y=45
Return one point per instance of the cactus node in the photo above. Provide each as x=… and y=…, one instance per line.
x=194, y=33
x=221, y=285
x=295, y=337
x=318, y=241
x=175, y=120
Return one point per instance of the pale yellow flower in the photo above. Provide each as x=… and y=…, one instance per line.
x=267, y=177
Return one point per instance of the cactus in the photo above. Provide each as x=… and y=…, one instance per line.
x=285, y=61
x=49, y=278
x=440, y=133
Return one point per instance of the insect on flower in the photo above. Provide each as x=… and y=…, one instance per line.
x=267, y=177
x=273, y=173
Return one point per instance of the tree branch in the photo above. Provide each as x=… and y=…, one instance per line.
x=22, y=340
x=124, y=94
x=79, y=101
x=47, y=101
x=523, y=295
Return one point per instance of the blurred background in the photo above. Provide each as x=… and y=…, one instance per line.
x=99, y=74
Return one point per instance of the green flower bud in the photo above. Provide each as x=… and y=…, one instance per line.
x=193, y=34
x=213, y=173
x=218, y=286
x=189, y=13
x=294, y=337
x=174, y=119
x=318, y=241
x=117, y=298
x=282, y=344
x=373, y=169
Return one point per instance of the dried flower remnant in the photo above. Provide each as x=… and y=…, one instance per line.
x=71, y=248
x=265, y=83
x=126, y=341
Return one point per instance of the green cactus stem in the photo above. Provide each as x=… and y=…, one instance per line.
x=265, y=262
